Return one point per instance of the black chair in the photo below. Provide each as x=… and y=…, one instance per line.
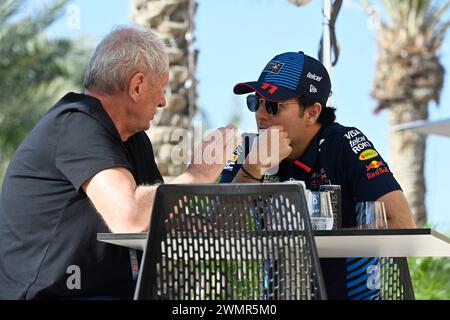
x=230, y=241
x=395, y=280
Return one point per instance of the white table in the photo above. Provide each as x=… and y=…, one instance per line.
x=344, y=243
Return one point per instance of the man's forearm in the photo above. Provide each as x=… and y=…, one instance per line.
x=191, y=176
x=144, y=201
x=145, y=197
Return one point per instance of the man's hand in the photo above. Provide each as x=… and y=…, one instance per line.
x=211, y=155
x=268, y=150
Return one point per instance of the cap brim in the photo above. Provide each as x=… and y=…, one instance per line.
x=280, y=94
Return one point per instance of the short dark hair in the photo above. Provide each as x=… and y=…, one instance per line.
x=327, y=115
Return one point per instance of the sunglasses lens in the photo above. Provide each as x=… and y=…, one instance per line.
x=252, y=102
x=272, y=108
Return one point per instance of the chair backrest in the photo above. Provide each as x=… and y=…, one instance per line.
x=395, y=279
x=230, y=241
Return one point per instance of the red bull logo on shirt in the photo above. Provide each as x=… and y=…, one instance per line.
x=319, y=178
x=379, y=167
x=374, y=165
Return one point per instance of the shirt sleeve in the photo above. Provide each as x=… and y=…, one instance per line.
x=232, y=166
x=238, y=157
x=85, y=147
x=369, y=175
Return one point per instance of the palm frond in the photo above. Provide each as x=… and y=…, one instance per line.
x=439, y=11
x=35, y=71
x=416, y=15
x=28, y=27
x=8, y=8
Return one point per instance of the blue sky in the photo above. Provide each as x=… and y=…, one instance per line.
x=236, y=38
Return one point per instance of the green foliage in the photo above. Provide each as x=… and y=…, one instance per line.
x=430, y=277
x=34, y=71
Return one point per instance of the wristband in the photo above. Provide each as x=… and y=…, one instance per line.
x=249, y=174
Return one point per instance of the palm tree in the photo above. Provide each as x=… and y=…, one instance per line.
x=33, y=73
x=173, y=21
x=409, y=76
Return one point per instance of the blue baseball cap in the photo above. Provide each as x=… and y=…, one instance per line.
x=290, y=75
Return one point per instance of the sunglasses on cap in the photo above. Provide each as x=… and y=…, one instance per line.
x=254, y=102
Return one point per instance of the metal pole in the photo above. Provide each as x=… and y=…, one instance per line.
x=190, y=83
x=326, y=45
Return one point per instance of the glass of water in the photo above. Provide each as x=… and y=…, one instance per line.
x=320, y=210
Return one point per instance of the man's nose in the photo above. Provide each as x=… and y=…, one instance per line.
x=261, y=113
x=163, y=102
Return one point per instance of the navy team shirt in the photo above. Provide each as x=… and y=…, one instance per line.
x=346, y=157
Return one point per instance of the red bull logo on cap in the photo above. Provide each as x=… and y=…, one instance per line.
x=273, y=66
x=374, y=165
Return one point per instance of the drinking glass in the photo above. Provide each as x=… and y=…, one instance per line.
x=371, y=215
x=320, y=210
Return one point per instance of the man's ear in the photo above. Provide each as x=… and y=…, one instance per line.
x=136, y=86
x=313, y=112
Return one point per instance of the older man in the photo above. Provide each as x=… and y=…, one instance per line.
x=88, y=167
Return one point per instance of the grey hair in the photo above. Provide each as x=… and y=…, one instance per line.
x=121, y=54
